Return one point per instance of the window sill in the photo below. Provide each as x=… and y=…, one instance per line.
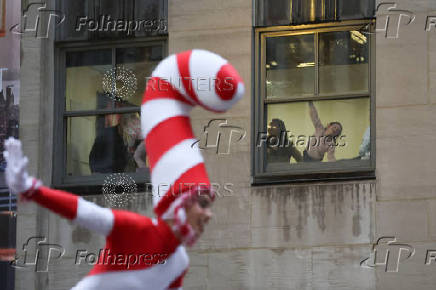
x=86, y=189
x=266, y=179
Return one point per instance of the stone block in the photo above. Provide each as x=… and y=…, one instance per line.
x=413, y=273
x=195, y=15
x=405, y=140
x=401, y=65
x=406, y=220
x=338, y=268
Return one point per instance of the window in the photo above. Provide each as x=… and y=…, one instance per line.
x=314, y=102
x=104, y=51
x=101, y=89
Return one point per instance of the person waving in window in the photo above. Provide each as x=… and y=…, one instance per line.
x=323, y=140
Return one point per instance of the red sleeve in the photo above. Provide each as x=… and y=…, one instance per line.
x=58, y=201
x=130, y=224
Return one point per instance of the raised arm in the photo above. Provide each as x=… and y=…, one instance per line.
x=70, y=206
x=366, y=143
x=314, y=116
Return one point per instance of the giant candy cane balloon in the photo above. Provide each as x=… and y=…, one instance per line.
x=179, y=82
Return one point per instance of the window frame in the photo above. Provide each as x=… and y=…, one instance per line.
x=92, y=183
x=307, y=172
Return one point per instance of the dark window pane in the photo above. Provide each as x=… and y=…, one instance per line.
x=356, y=9
x=312, y=11
x=112, y=11
x=333, y=130
x=108, y=19
x=343, y=62
x=154, y=16
x=273, y=13
x=73, y=11
x=104, y=144
x=288, y=12
x=89, y=58
x=290, y=66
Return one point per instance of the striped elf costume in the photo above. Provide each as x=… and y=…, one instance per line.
x=140, y=252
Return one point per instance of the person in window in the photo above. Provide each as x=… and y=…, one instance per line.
x=115, y=144
x=131, y=134
x=323, y=140
x=365, y=146
x=279, y=148
x=140, y=156
x=109, y=153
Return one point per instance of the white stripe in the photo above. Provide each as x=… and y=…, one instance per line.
x=94, y=217
x=169, y=213
x=172, y=165
x=168, y=70
x=157, y=277
x=155, y=111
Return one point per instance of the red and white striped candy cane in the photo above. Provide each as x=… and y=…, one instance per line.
x=179, y=82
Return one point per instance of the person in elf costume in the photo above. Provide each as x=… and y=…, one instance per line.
x=182, y=210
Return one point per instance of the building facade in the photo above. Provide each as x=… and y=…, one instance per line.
x=358, y=214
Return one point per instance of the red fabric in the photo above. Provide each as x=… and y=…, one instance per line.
x=226, y=82
x=165, y=135
x=171, y=131
x=137, y=236
x=183, y=65
x=58, y=201
x=134, y=243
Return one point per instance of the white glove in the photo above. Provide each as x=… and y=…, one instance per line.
x=17, y=178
